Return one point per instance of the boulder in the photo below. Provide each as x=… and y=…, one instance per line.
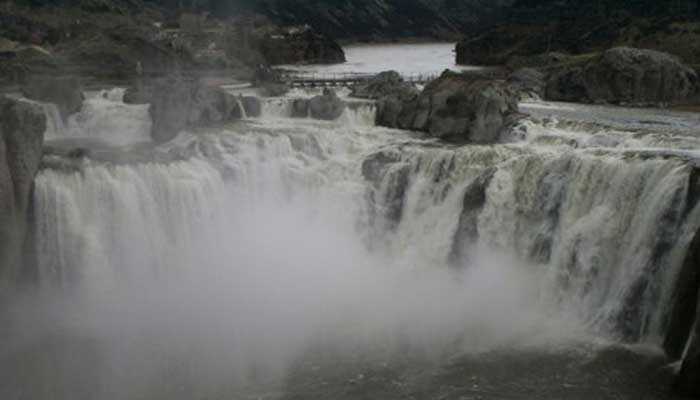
x=65, y=92
x=22, y=127
x=465, y=107
x=327, y=106
x=384, y=84
x=179, y=103
x=300, y=108
x=252, y=106
x=625, y=75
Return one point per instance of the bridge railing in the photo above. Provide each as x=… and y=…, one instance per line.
x=303, y=77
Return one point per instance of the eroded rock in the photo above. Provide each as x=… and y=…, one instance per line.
x=22, y=127
x=463, y=107
x=327, y=106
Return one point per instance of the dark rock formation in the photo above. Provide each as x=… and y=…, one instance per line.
x=463, y=107
x=389, y=177
x=300, y=108
x=386, y=83
x=688, y=380
x=685, y=296
x=369, y=20
x=180, y=103
x=625, y=75
x=532, y=27
x=467, y=234
x=304, y=46
x=22, y=127
x=252, y=106
x=65, y=92
x=327, y=106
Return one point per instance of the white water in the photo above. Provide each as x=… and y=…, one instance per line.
x=194, y=278
x=103, y=117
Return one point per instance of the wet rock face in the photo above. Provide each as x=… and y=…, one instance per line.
x=65, y=92
x=181, y=103
x=389, y=178
x=455, y=106
x=300, y=108
x=252, y=106
x=327, y=106
x=467, y=234
x=688, y=381
x=22, y=127
x=625, y=75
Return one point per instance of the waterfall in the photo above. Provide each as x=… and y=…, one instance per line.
x=244, y=115
x=104, y=117
x=55, y=127
x=261, y=239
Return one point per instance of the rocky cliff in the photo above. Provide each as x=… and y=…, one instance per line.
x=22, y=126
x=532, y=27
x=368, y=20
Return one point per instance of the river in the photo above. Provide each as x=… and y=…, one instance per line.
x=282, y=258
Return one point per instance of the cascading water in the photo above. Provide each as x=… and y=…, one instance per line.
x=260, y=243
x=104, y=117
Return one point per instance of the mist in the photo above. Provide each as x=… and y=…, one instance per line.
x=225, y=287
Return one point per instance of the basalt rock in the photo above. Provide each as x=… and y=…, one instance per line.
x=181, y=103
x=252, y=106
x=327, y=106
x=387, y=83
x=688, y=380
x=625, y=76
x=389, y=177
x=467, y=234
x=22, y=127
x=300, y=108
x=463, y=107
x=65, y=92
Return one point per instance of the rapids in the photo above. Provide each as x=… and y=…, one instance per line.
x=279, y=257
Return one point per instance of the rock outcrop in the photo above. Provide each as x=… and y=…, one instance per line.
x=463, y=107
x=327, y=106
x=625, y=76
x=304, y=46
x=179, y=103
x=387, y=83
x=467, y=235
x=300, y=108
x=252, y=106
x=65, y=92
x=22, y=127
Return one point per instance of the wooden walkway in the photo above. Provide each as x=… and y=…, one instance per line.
x=307, y=79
